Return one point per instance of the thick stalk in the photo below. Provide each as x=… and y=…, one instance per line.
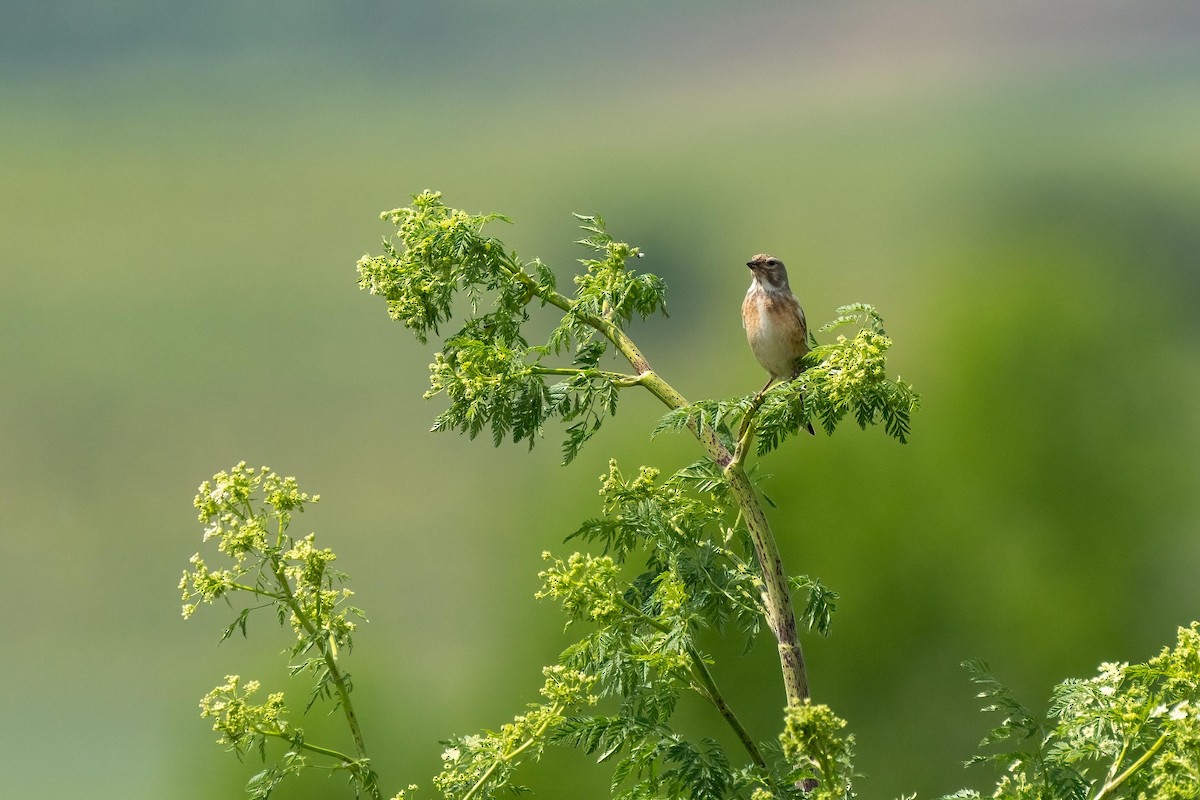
x=776, y=597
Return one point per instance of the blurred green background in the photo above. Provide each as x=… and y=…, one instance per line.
x=1016, y=186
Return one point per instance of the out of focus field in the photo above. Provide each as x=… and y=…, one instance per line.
x=1017, y=190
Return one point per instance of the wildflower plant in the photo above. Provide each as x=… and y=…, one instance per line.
x=676, y=557
x=248, y=512
x=670, y=562
x=1131, y=731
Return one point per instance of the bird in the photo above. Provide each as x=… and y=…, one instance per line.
x=774, y=321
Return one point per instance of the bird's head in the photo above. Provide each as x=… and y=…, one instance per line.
x=768, y=271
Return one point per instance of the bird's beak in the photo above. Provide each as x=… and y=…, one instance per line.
x=750, y=264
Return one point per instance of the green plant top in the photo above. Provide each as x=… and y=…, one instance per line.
x=496, y=380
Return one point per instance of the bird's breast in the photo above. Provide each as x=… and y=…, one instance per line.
x=775, y=329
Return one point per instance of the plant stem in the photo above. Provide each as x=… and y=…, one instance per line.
x=717, y=699
x=358, y=767
x=776, y=596
x=708, y=685
x=1116, y=782
x=777, y=600
x=618, y=378
x=328, y=654
x=1112, y=771
x=325, y=751
x=746, y=432
x=555, y=711
x=242, y=587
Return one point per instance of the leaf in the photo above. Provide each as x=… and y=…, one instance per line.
x=674, y=420
x=237, y=624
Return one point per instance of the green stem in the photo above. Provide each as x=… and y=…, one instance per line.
x=1116, y=782
x=1112, y=771
x=746, y=432
x=242, y=587
x=618, y=378
x=555, y=711
x=708, y=685
x=717, y=699
x=777, y=599
x=329, y=655
x=359, y=768
x=325, y=751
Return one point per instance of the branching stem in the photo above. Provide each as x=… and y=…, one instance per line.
x=707, y=687
x=746, y=432
x=777, y=600
x=242, y=587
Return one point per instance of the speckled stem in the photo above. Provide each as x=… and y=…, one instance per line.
x=776, y=597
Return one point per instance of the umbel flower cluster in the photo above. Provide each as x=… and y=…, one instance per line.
x=254, y=537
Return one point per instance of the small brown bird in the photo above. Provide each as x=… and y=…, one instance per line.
x=774, y=321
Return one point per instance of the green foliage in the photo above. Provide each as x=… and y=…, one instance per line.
x=248, y=512
x=493, y=377
x=719, y=415
x=244, y=728
x=607, y=289
x=443, y=252
x=819, y=605
x=685, y=539
x=846, y=377
x=849, y=377
x=696, y=577
x=1132, y=731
